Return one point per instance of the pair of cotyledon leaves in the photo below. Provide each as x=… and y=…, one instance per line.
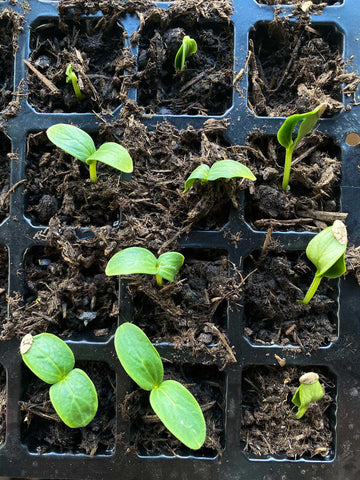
x=74, y=397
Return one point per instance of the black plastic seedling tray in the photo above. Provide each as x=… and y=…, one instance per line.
x=341, y=357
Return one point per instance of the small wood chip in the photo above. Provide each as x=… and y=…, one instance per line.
x=42, y=77
x=281, y=361
x=290, y=329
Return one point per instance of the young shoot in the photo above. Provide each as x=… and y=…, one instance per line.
x=220, y=169
x=188, y=47
x=285, y=135
x=327, y=252
x=80, y=145
x=71, y=77
x=309, y=391
x=172, y=402
x=140, y=260
x=72, y=393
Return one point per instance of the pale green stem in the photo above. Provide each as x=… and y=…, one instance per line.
x=287, y=168
x=311, y=292
x=92, y=171
x=159, y=280
x=78, y=93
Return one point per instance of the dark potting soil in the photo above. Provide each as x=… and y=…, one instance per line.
x=153, y=206
x=299, y=2
x=10, y=26
x=192, y=311
x=269, y=426
x=66, y=292
x=2, y=404
x=271, y=311
x=204, y=86
x=4, y=272
x=313, y=201
x=294, y=67
x=42, y=431
x=5, y=156
x=95, y=49
x=148, y=436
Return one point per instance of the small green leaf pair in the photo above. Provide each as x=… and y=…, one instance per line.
x=172, y=402
x=80, y=145
x=220, y=169
x=188, y=47
x=308, y=121
x=309, y=391
x=327, y=252
x=72, y=393
x=140, y=260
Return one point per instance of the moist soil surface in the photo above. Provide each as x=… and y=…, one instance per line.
x=148, y=436
x=192, y=311
x=313, y=201
x=293, y=67
x=58, y=190
x=10, y=26
x=275, y=317
x=269, y=426
x=95, y=49
x=204, y=86
x=5, y=155
x=2, y=404
x=66, y=292
x=42, y=431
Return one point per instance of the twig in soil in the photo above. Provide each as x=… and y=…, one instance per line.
x=42, y=78
x=325, y=216
x=223, y=340
x=12, y=189
x=286, y=71
x=266, y=241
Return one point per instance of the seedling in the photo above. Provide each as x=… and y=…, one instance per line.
x=188, y=47
x=71, y=77
x=285, y=135
x=72, y=393
x=140, y=260
x=172, y=402
x=327, y=252
x=309, y=391
x=220, y=169
x=80, y=145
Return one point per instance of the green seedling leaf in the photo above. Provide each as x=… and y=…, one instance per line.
x=140, y=260
x=138, y=356
x=114, y=155
x=72, y=140
x=310, y=390
x=173, y=403
x=169, y=264
x=132, y=260
x=75, y=399
x=188, y=47
x=180, y=413
x=285, y=135
x=47, y=356
x=72, y=78
x=327, y=252
x=220, y=169
x=200, y=173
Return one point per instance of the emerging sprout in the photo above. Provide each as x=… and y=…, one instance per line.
x=309, y=391
x=72, y=393
x=285, y=135
x=220, y=169
x=140, y=260
x=327, y=252
x=172, y=402
x=188, y=47
x=71, y=77
x=80, y=145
